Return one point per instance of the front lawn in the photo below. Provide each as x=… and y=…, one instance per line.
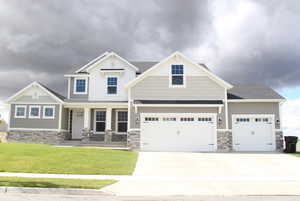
x=54, y=183
x=33, y=158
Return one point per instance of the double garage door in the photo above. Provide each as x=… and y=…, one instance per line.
x=178, y=132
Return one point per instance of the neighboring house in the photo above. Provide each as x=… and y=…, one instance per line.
x=171, y=105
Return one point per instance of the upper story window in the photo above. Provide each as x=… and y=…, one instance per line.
x=177, y=73
x=80, y=86
x=112, y=83
x=34, y=111
x=20, y=111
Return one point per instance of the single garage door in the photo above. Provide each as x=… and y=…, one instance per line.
x=178, y=132
x=253, y=132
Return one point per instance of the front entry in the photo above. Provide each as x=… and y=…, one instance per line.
x=77, y=124
x=186, y=132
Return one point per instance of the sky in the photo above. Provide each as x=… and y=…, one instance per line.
x=242, y=41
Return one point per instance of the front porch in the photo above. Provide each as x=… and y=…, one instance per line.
x=97, y=124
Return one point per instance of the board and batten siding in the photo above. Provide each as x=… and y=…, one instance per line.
x=40, y=99
x=197, y=88
x=253, y=108
x=34, y=123
x=214, y=110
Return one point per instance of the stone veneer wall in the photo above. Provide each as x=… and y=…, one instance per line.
x=37, y=137
x=279, y=141
x=224, y=141
x=134, y=140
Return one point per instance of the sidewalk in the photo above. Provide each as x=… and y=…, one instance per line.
x=153, y=178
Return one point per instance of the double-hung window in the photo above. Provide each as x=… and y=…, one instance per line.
x=34, y=111
x=20, y=111
x=112, y=83
x=80, y=86
x=48, y=112
x=177, y=72
x=122, y=117
x=100, y=117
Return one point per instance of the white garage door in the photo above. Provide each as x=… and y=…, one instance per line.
x=178, y=132
x=253, y=132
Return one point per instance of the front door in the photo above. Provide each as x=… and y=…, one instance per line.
x=77, y=124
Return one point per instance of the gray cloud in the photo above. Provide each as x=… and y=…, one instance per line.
x=42, y=40
x=52, y=37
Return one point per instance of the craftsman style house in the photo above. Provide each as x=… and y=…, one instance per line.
x=171, y=105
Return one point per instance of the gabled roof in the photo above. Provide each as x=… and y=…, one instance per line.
x=252, y=91
x=210, y=74
x=52, y=93
x=101, y=58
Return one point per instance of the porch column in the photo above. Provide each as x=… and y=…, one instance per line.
x=108, y=118
x=87, y=118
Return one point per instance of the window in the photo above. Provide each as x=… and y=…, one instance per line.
x=151, y=118
x=34, y=111
x=100, y=117
x=48, y=112
x=243, y=120
x=169, y=119
x=186, y=119
x=204, y=119
x=177, y=75
x=112, y=83
x=122, y=117
x=20, y=111
x=80, y=86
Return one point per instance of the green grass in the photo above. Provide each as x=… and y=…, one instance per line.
x=296, y=154
x=54, y=183
x=33, y=158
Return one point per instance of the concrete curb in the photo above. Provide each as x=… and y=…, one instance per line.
x=64, y=191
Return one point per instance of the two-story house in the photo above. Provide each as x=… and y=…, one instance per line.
x=171, y=105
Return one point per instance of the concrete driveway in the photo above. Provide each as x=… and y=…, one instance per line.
x=162, y=173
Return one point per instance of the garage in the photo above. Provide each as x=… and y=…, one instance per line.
x=181, y=132
x=253, y=132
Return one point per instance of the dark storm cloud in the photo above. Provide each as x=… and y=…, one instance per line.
x=52, y=37
x=42, y=40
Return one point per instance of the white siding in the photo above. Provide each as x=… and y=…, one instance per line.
x=98, y=90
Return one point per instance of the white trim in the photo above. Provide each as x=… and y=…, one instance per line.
x=272, y=116
x=38, y=129
x=117, y=120
x=12, y=98
x=107, y=56
x=106, y=85
x=129, y=109
x=44, y=112
x=9, y=116
x=60, y=116
x=96, y=105
x=134, y=129
x=94, y=126
x=31, y=103
x=171, y=77
x=111, y=71
x=223, y=130
x=226, y=109
x=75, y=82
x=87, y=118
x=77, y=75
x=89, y=63
x=34, y=117
x=69, y=88
x=280, y=115
x=254, y=100
x=147, y=72
x=25, y=112
x=178, y=105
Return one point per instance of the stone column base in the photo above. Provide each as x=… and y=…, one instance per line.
x=224, y=140
x=134, y=140
x=279, y=141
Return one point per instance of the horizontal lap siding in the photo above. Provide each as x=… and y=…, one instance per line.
x=197, y=88
x=252, y=108
x=34, y=123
